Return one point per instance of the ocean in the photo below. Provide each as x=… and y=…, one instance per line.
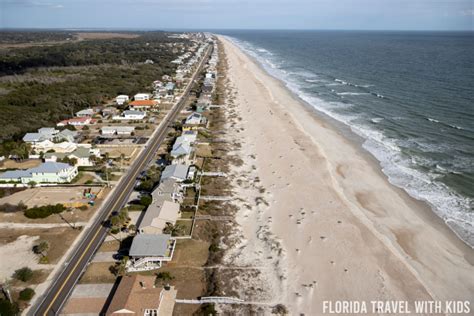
x=408, y=95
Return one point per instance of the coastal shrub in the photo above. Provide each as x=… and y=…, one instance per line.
x=24, y=274
x=8, y=308
x=41, y=248
x=43, y=260
x=44, y=211
x=146, y=200
x=27, y=294
x=279, y=309
x=163, y=277
x=146, y=185
x=207, y=309
x=114, y=230
x=9, y=208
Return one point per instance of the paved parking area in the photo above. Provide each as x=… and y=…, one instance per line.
x=92, y=290
x=104, y=257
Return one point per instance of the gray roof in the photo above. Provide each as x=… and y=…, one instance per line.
x=80, y=152
x=55, y=154
x=85, y=112
x=178, y=172
x=48, y=130
x=180, y=149
x=144, y=245
x=33, y=137
x=50, y=167
x=67, y=132
x=46, y=167
x=14, y=174
x=166, y=187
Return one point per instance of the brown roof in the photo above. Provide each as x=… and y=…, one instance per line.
x=135, y=293
x=84, y=305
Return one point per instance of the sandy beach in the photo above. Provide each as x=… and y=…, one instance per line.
x=320, y=218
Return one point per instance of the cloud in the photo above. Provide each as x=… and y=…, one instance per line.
x=467, y=12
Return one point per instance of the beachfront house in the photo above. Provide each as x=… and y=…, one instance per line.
x=130, y=115
x=48, y=172
x=141, y=96
x=158, y=216
x=121, y=99
x=182, y=147
x=138, y=295
x=176, y=172
x=195, y=119
x=150, y=251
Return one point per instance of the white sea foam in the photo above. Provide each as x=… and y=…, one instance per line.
x=400, y=169
x=377, y=119
x=353, y=93
x=313, y=80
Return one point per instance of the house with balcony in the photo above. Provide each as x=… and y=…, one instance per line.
x=48, y=172
x=150, y=252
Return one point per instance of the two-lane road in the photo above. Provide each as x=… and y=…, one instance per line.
x=59, y=291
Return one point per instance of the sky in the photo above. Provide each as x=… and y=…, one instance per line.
x=239, y=14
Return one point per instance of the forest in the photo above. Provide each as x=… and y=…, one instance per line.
x=42, y=85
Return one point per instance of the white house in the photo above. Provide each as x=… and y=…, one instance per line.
x=81, y=154
x=158, y=216
x=149, y=251
x=77, y=121
x=130, y=115
x=48, y=172
x=182, y=147
x=119, y=130
x=44, y=133
x=85, y=113
x=195, y=119
x=66, y=135
x=121, y=99
x=176, y=172
x=141, y=96
x=47, y=145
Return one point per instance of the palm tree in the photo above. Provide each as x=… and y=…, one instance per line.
x=41, y=248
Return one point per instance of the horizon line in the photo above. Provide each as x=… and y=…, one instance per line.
x=221, y=29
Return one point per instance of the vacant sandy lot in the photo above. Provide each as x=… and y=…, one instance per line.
x=116, y=152
x=16, y=248
x=25, y=164
x=49, y=195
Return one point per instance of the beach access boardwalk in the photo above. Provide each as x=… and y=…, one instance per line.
x=215, y=198
x=214, y=174
x=213, y=218
x=221, y=300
